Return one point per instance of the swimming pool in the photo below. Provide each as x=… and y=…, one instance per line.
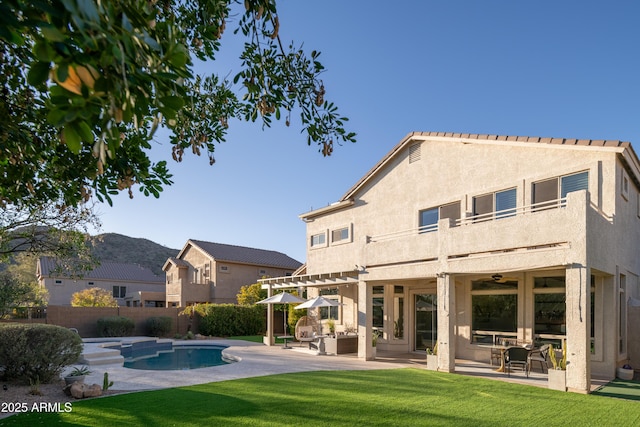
x=164, y=356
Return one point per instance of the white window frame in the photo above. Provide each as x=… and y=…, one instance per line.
x=322, y=244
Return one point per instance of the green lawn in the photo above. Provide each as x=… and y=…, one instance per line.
x=398, y=397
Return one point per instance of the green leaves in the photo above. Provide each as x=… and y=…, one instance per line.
x=123, y=69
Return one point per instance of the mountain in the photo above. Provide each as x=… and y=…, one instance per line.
x=118, y=248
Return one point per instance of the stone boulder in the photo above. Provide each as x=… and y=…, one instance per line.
x=80, y=391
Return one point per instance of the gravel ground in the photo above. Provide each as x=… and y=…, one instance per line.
x=19, y=398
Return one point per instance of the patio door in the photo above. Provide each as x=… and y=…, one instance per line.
x=426, y=321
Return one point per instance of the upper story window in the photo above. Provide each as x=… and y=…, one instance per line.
x=497, y=205
x=429, y=218
x=119, y=291
x=318, y=240
x=223, y=269
x=341, y=235
x=546, y=193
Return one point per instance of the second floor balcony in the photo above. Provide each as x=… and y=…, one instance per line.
x=556, y=224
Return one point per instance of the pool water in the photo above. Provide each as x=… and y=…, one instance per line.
x=178, y=358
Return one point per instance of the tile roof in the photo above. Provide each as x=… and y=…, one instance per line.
x=245, y=255
x=562, y=141
x=107, y=271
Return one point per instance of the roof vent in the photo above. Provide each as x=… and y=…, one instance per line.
x=414, y=152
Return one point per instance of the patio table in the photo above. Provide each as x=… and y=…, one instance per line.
x=285, y=338
x=502, y=349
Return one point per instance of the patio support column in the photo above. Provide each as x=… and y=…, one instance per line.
x=365, y=323
x=446, y=323
x=578, y=312
x=268, y=339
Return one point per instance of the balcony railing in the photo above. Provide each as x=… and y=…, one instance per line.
x=491, y=216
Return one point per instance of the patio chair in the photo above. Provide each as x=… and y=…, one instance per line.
x=306, y=330
x=540, y=355
x=517, y=356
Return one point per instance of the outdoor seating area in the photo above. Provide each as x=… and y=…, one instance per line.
x=306, y=330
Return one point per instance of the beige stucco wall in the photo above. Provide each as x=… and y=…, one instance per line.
x=449, y=172
x=596, y=233
x=215, y=282
x=60, y=294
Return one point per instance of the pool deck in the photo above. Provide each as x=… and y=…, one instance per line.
x=254, y=360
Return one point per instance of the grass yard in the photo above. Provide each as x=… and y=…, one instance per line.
x=394, y=397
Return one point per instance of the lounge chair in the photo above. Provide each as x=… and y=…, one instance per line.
x=306, y=330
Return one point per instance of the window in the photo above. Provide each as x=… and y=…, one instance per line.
x=377, y=320
x=341, y=235
x=500, y=204
x=625, y=185
x=224, y=269
x=329, y=312
x=545, y=193
x=58, y=282
x=428, y=218
x=494, y=308
x=119, y=291
x=549, y=305
x=398, y=312
x=319, y=240
x=262, y=272
x=622, y=317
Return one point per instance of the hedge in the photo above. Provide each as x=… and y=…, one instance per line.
x=115, y=326
x=229, y=320
x=36, y=353
x=159, y=326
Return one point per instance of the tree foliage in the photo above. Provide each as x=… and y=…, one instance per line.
x=87, y=83
x=251, y=294
x=14, y=293
x=93, y=297
x=47, y=229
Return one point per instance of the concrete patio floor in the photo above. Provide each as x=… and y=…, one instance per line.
x=254, y=359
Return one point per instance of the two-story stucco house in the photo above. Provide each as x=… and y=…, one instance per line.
x=206, y=272
x=130, y=284
x=461, y=240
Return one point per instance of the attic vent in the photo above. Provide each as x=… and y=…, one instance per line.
x=414, y=152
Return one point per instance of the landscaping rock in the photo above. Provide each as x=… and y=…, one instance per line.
x=80, y=391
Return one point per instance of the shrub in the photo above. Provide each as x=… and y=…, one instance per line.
x=159, y=326
x=115, y=326
x=37, y=353
x=226, y=320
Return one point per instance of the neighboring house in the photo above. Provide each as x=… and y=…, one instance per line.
x=205, y=272
x=130, y=284
x=460, y=240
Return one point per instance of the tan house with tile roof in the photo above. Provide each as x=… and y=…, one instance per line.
x=206, y=272
x=130, y=284
x=464, y=240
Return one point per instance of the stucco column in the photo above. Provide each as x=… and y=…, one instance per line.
x=365, y=321
x=578, y=302
x=446, y=323
x=268, y=339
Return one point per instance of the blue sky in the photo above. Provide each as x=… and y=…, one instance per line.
x=566, y=69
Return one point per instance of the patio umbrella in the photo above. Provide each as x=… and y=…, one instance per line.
x=282, y=298
x=318, y=302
